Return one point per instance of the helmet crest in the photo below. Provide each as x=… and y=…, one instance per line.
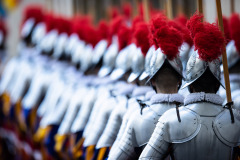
x=207, y=38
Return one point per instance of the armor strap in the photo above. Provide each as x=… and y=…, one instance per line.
x=177, y=110
x=142, y=105
x=229, y=107
x=112, y=94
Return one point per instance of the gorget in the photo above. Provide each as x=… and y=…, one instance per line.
x=166, y=98
x=203, y=97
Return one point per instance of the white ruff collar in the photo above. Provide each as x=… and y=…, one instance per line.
x=203, y=97
x=166, y=98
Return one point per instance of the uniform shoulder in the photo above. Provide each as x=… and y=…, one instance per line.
x=179, y=131
x=227, y=131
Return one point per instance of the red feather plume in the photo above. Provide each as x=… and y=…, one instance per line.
x=3, y=28
x=49, y=20
x=155, y=23
x=195, y=25
x=226, y=29
x=183, y=30
x=182, y=19
x=141, y=34
x=113, y=13
x=166, y=37
x=89, y=34
x=63, y=25
x=169, y=40
x=235, y=29
x=115, y=25
x=207, y=38
x=127, y=10
x=33, y=11
x=124, y=36
x=103, y=29
x=136, y=20
x=79, y=24
x=76, y=26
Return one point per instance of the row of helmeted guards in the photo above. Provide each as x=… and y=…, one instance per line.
x=81, y=114
x=194, y=127
x=3, y=59
x=203, y=128
x=47, y=96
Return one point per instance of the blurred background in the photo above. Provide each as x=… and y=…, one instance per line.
x=11, y=10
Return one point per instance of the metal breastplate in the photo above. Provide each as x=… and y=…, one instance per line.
x=210, y=148
x=139, y=130
x=204, y=143
x=84, y=112
x=147, y=123
x=144, y=124
x=100, y=123
x=113, y=125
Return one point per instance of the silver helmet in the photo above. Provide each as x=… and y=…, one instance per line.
x=86, y=59
x=38, y=33
x=184, y=54
x=77, y=51
x=232, y=54
x=157, y=61
x=59, y=45
x=99, y=50
x=71, y=44
x=196, y=67
x=27, y=27
x=148, y=57
x=48, y=41
x=137, y=65
x=208, y=41
x=123, y=62
x=109, y=59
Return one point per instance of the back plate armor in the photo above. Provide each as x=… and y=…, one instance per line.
x=205, y=132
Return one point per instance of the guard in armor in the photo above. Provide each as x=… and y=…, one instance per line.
x=3, y=37
x=133, y=101
x=141, y=94
x=204, y=129
x=233, y=57
x=121, y=71
x=165, y=77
